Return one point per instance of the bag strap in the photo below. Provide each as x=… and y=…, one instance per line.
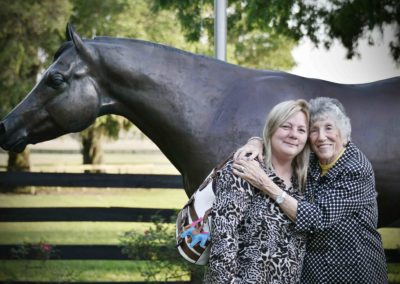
x=206, y=214
x=192, y=212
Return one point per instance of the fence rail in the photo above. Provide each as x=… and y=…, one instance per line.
x=117, y=214
x=105, y=214
x=73, y=252
x=113, y=252
x=10, y=179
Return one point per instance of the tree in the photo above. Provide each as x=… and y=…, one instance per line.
x=42, y=30
x=29, y=30
x=321, y=21
x=247, y=45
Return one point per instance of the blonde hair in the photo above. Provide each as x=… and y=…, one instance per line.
x=277, y=116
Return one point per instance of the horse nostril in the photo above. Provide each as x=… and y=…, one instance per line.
x=2, y=129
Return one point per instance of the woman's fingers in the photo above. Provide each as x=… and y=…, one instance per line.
x=248, y=152
x=242, y=153
x=248, y=169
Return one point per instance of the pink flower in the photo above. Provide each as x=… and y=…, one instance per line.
x=46, y=247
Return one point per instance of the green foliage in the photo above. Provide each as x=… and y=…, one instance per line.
x=247, y=44
x=266, y=51
x=29, y=31
x=41, y=251
x=97, y=17
x=158, y=245
x=321, y=21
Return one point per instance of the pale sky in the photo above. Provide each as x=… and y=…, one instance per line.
x=375, y=62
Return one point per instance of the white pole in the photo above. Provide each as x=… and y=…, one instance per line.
x=220, y=29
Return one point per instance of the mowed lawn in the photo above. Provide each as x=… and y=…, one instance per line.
x=97, y=233
x=58, y=233
x=83, y=232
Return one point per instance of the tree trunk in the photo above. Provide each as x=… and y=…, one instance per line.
x=91, y=147
x=18, y=162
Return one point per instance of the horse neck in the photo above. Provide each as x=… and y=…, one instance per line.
x=169, y=95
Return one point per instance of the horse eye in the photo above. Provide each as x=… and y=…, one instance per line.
x=56, y=80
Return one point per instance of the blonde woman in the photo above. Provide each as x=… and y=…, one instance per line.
x=253, y=241
x=339, y=214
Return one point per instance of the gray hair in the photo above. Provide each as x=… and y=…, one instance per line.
x=322, y=108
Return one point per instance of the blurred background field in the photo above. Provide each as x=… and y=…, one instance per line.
x=134, y=155
x=137, y=155
x=131, y=153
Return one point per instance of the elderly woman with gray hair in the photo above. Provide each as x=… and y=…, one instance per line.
x=339, y=213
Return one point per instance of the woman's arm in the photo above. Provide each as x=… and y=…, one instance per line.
x=256, y=176
x=252, y=149
x=351, y=193
x=344, y=198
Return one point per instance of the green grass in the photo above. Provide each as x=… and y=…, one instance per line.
x=75, y=270
x=71, y=270
x=83, y=232
x=390, y=237
x=142, y=198
x=394, y=272
x=129, y=162
x=56, y=233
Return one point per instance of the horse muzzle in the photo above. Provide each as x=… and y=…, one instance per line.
x=14, y=145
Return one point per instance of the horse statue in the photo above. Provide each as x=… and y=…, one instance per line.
x=196, y=109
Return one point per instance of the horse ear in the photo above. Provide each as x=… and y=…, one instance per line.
x=68, y=31
x=84, y=50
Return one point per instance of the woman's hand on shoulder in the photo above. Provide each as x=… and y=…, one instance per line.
x=251, y=171
x=252, y=149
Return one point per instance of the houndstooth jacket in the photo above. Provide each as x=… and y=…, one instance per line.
x=340, y=216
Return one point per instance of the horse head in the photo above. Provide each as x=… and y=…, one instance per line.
x=65, y=100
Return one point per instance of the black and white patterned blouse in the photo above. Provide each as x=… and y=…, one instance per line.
x=340, y=216
x=252, y=240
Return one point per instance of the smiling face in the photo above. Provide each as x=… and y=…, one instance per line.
x=290, y=137
x=326, y=140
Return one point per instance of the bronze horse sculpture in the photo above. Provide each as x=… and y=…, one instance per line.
x=196, y=109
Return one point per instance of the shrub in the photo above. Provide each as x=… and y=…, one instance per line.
x=157, y=244
x=40, y=251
